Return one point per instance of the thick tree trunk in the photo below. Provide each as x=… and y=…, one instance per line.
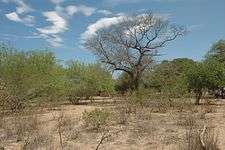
x=135, y=82
x=198, y=97
x=222, y=93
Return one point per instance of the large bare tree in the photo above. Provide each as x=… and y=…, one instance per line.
x=130, y=44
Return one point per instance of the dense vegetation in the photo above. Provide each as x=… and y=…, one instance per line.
x=127, y=98
x=36, y=75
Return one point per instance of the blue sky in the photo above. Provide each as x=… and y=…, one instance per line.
x=60, y=24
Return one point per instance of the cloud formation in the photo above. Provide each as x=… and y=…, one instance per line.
x=107, y=22
x=117, y=2
x=85, y=10
x=101, y=23
x=27, y=20
x=20, y=15
x=56, y=1
x=58, y=25
x=105, y=12
x=59, y=19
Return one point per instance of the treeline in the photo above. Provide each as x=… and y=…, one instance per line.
x=37, y=75
x=185, y=77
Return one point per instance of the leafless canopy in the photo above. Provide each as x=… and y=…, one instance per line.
x=131, y=43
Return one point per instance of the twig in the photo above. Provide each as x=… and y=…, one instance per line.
x=104, y=137
x=201, y=136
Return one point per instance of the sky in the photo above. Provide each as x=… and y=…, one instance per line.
x=61, y=25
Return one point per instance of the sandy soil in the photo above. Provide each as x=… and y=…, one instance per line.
x=163, y=130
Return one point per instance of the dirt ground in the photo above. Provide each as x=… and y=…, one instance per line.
x=147, y=128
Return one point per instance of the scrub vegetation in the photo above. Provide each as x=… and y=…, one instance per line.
x=172, y=104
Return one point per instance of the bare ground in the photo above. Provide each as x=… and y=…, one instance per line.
x=147, y=128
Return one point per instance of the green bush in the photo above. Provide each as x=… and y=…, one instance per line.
x=32, y=74
x=95, y=119
x=86, y=80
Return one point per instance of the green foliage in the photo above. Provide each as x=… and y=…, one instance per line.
x=95, y=119
x=215, y=74
x=217, y=51
x=123, y=82
x=197, y=77
x=85, y=80
x=30, y=74
x=169, y=77
x=206, y=75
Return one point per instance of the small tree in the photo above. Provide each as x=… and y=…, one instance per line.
x=217, y=51
x=217, y=55
x=130, y=44
x=169, y=76
x=86, y=80
x=30, y=75
x=197, y=80
x=205, y=76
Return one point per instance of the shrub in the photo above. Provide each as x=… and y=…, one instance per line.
x=201, y=140
x=87, y=80
x=30, y=75
x=95, y=119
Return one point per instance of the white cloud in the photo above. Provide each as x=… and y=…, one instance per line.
x=20, y=15
x=59, y=24
x=194, y=27
x=54, y=40
x=21, y=7
x=13, y=17
x=87, y=11
x=56, y=1
x=166, y=0
x=27, y=20
x=71, y=10
x=51, y=33
x=105, y=12
x=116, y=2
x=101, y=23
x=20, y=36
x=108, y=22
x=59, y=21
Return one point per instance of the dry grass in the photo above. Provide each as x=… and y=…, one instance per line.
x=156, y=125
x=201, y=140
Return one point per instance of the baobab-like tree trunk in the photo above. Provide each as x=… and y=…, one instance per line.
x=198, y=97
x=131, y=44
x=135, y=82
x=222, y=92
x=135, y=78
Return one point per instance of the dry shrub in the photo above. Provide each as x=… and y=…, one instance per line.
x=96, y=118
x=144, y=113
x=187, y=120
x=19, y=127
x=73, y=100
x=38, y=141
x=209, y=109
x=120, y=114
x=201, y=140
x=72, y=134
x=10, y=103
x=142, y=129
x=68, y=127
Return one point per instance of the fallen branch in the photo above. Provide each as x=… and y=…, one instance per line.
x=104, y=137
x=201, y=136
